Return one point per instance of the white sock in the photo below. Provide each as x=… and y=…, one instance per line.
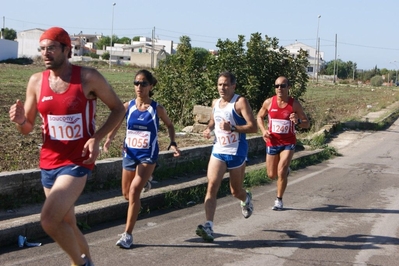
x=210, y=223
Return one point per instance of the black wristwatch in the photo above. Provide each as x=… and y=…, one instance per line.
x=172, y=143
x=233, y=128
x=299, y=121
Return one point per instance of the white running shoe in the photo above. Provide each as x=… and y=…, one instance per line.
x=278, y=205
x=126, y=241
x=147, y=186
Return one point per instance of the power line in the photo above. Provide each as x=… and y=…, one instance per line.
x=199, y=35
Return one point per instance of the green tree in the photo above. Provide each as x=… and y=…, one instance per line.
x=9, y=34
x=189, y=77
x=125, y=40
x=181, y=82
x=106, y=41
x=257, y=67
x=136, y=38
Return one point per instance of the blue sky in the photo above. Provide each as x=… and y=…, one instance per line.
x=367, y=30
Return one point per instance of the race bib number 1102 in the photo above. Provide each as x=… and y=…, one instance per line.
x=65, y=127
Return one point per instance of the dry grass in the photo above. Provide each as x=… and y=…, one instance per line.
x=322, y=102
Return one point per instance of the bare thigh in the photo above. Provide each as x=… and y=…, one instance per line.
x=62, y=196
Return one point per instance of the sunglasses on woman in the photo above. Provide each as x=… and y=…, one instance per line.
x=142, y=83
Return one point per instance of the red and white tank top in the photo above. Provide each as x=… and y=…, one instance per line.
x=281, y=128
x=68, y=122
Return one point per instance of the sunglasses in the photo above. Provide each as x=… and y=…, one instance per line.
x=282, y=85
x=142, y=83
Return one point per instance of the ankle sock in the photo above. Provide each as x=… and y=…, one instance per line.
x=210, y=223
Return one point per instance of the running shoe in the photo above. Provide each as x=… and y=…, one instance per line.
x=247, y=208
x=205, y=231
x=278, y=205
x=147, y=186
x=88, y=261
x=126, y=241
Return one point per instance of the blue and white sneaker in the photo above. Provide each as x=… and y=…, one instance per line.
x=126, y=241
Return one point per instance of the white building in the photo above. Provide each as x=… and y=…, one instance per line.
x=143, y=53
x=314, y=64
x=28, y=43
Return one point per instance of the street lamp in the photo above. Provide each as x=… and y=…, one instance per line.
x=316, y=65
x=112, y=32
x=396, y=77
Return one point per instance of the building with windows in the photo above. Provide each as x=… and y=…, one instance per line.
x=316, y=61
x=144, y=53
x=28, y=43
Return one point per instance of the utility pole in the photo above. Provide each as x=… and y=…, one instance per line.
x=152, y=50
x=112, y=32
x=335, y=60
x=318, y=60
x=316, y=52
x=3, y=29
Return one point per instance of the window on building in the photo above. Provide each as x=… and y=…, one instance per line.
x=310, y=69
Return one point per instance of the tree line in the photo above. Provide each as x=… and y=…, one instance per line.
x=349, y=71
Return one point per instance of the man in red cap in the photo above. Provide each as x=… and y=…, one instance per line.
x=65, y=96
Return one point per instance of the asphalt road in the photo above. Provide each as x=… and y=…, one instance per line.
x=344, y=211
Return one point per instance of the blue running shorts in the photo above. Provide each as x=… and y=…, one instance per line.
x=131, y=164
x=49, y=176
x=274, y=150
x=232, y=161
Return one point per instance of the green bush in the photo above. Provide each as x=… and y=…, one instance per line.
x=188, y=77
x=94, y=55
x=105, y=56
x=376, y=81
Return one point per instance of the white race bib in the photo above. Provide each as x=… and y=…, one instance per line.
x=138, y=139
x=280, y=126
x=226, y=139
x=65, y=127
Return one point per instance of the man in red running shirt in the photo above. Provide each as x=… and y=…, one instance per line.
x=65, y=96
x=284, y=113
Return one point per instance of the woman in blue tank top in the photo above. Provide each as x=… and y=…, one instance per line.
x=140, y=148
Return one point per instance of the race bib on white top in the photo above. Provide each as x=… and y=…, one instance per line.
x=280, y=126
x=227, y=139
x=65, y=127
x=138, y=139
